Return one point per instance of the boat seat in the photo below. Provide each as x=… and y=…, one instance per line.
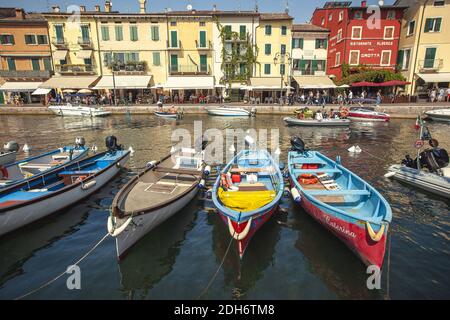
x=39, y=166
x=352, y=192
x=316, y=171
x=241, y=170
x=252, y=187
x=308, y=161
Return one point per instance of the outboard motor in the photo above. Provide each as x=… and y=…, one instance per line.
x=11, y=146
x=80, y=142
x=111, y=144
x=297, y=144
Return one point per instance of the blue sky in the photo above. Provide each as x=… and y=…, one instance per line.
x=301, y=10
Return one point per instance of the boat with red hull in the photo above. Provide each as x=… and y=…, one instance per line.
x=247, y=193
x=367, y=114
x=340, y=201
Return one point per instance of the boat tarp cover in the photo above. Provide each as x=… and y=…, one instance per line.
x=245, y=201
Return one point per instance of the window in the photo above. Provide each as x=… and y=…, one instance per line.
x=433, y=25
x=242, y=69
x=358, y=15
x=173, y=39
x=330, y=17
x=297, y=43
x=88, y=61
x=243, y=32
x=389, y=33
x=202, y=42
x=85, y=33
x=155, y=33
x=133, y=33
x=228, y=32
x=119, y=33
x=47, y=64
x=341, y=16
x=337, y=60
x=173, y=23
x=354, y=57
x=202, y=23
x=283, y=30
x=385, y=58
x=11, y=63
x=403, y=59
x=174, y=63
x=339, y=35
x=283, y=49
x=105, y=33
x=282, y=69
x=430, y=55
x=411, y=27
x=156, y=59
x=42, y=39
x=439, y=3
x=390, y=15
x=267, y=69
x=59, y=31
x=30, y=39
x=323, y=22
x=268, y=49
x=35, y=65
x=203, y=63
x=7, y=39
x=356, y=33
x=268, y=30
x=107, y=58
x=321, y=43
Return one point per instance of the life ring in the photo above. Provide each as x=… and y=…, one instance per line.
x=4, y=172
x=307, y=179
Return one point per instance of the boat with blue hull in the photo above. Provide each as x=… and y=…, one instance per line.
x=36, y=166
x=341, y=201
x=41, y=196
x=246, y=194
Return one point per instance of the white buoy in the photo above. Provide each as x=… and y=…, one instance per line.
x=278, y=151
x=296, y=195
x=358, y=149
x=354, y=149
x=249, y=140
x=207, y=170
x=201, y=184
x=150, y=164
x=131, y=150
x=390, y=174
x=94, y=148
x=26, y=148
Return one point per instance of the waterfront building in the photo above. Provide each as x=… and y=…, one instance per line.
x=25, y=56
x=424, y=45
x=360, y=36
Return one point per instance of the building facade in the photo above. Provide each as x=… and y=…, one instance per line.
x=25, y=55
x=360, y=35
x=424, y=45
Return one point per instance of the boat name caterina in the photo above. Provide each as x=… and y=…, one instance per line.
x=337, y=227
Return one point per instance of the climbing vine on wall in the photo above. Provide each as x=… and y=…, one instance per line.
x=242, y=53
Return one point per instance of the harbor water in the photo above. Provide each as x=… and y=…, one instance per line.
x=291, y=257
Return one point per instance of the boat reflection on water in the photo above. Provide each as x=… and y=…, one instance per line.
x=330, y=260
x=240, y=276
x=319, y=135
x=153, y=257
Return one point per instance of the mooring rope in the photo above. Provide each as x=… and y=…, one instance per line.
x=374, y=156
x=63, y=273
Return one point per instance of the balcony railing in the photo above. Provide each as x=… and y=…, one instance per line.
x=203, y=46
x=190, y=69
x=60, y=42
x=74, y=69
x=85, y=42
x=129, y=68
x=177, y=47
x=430, y=64
x=25, y=73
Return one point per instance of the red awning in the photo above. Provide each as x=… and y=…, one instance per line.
x=391, y=83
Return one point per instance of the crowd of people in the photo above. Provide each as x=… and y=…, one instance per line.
x=436, y=94
x=306, y=113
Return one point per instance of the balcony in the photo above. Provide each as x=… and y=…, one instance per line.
x=86, y=43
x=60, y=43
x=430, y=65
x=130, y=68
x=25, y=73
x=203, y=46
x=190, y=70
x=177, y=47
x=74, y=69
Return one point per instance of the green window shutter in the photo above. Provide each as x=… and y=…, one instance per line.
x=173, y=39
x=267, y=69
x=243, y=32
x=202, y=39
x=156, y=59
x=283, y=30
x=59, y=32
x=302, y=65
x=301, y=43
x=133, y=33
x=174, y=62
x=107, y=58
x=155, y=33
x=47, y=64
x=400, y=57
x=242, y=69
x=268, y=49
x=35, y=64
x=430, y=55
x=317, y=43
x=105, y=33
x=11, y=64
x=203, y=63
x=228, y=32
x=282, y=69
x=119, y=33
x=437, y=27
x=325, y=42
x=85, y=32
x=283, y=49
x=428, y=24
x=268, y=30
x=314, y=65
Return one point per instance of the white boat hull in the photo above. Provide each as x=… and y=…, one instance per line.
x=421, y=179
x=17, y=218
x=144, y=223
x=439, y=115
x=317, y=123
x=7, y=158
x=229, y=112
x=79, y=111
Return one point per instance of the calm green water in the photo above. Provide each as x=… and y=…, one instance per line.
x=291, y=257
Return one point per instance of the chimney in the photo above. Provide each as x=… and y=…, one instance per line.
x=108, y=6
x=97, y=8
x=363, y=3
x=82, y=8
x=55, y=8
x=20, y=14
x=142, y=6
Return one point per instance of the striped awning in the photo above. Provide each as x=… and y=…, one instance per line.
x=267, y=83
x=20, y=86
x=123, y=82
x=84, y=54
x=70, y=82
x=60, y=54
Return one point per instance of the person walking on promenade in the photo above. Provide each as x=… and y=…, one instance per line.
x=441, y=97
x=350, y=97
x=433, y=95
x=379, y=97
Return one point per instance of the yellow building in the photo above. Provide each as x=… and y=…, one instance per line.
x=273, y=39
x=424, y=57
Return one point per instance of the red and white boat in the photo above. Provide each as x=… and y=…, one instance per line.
x=367, y=114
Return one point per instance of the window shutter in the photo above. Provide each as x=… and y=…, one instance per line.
x=400, y=58
x=301, y=43
x=438, y=24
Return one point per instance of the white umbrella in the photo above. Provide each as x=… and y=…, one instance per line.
x=220, y=86
x=157, y=86
x=84, y=91
x=68, y=91
x=344, y=86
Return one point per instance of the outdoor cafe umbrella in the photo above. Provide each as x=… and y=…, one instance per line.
x=68, y=91
x=84, y=91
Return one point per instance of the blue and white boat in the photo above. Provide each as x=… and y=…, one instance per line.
x=341, y=201
x=41, y=196
x=246, y=194
x=32, y=167
x=226, y=111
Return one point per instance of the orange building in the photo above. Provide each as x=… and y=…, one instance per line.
x=25, y=55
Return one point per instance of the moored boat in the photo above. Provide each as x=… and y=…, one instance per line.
x=79, y=111
x=36, y=166
x=246, y=194
x=342, y=202
x=41, y=196
x=367, y=114
x=230, y=112
x=168, y=115
x=155, y=195
x=9, y=154
x=317, y=123
x=439, y=115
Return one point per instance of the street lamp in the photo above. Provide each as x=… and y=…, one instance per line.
x=113, y=78
x=282, y=57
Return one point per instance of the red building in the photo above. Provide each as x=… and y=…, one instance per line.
x=363, y=35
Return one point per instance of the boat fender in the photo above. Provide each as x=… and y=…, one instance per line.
x=296, y=195
x=390, y=174
x=89, y=185
x=150, y=164
x=207, y=170
x=243, y=234
x=117, y=231
x=201, y=184
x=223, y=181
x=118, y=165
x=4, y=172
x=375, y=236
x=287, y=192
